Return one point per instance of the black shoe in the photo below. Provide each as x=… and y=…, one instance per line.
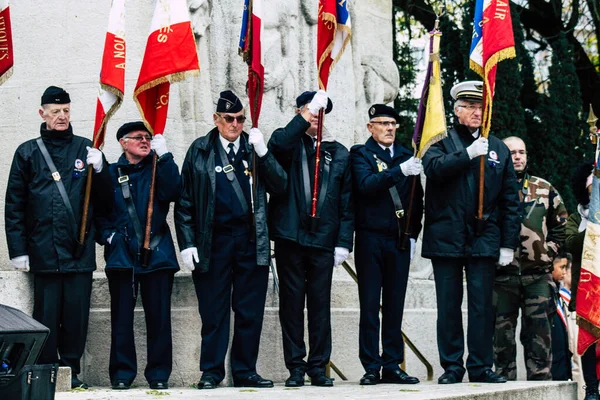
x=398, y=376
x=254, y=381
x=76, y=383
x=448, y=378
x=591, y=392
x=488, y=376
x=207, y=382
x=296, y=379
x=120, y=385
x=370, y=378
x=159, y=385
x=321, y=380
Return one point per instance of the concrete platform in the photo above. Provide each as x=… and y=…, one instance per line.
x=520, y=390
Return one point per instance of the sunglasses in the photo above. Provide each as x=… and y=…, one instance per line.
x=229, y=119
x=139, y=138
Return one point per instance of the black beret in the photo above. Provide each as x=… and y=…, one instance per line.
x=306, y=97
x=381, y=110
x=55, y=95
x=131, y=127
x=229, y=103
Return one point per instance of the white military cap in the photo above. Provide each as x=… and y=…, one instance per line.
x=468, y=90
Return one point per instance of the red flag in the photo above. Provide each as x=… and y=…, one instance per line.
x=170, y=56
x=333, y=34
x=112, y=74
x=6, y=45
x=251, y=51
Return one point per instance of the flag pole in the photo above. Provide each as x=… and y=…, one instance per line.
x=146, y=251
x=315, y=195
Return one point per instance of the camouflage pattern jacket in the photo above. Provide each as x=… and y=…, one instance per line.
x=543, y=221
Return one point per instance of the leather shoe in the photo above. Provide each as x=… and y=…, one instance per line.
x=159, y=385
x=207, y=382
x=321, y=380
x=77, y=383
x=488, y=376
x=296, y=379
x=448, y=378
x=398, y=376
x=120, y=385
x=255, y=381
x=370, y=378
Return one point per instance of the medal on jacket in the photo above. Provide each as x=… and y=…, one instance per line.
x=381, y=165
x=79, y=168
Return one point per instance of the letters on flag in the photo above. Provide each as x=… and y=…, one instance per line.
x=170, y=56
x=333, y=34
x=493, y=41
x=6, y=45
x=112, y=73
x=251, y=51
x=431, y=119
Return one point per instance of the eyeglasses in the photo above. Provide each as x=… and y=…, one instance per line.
x=139, y=138
x=229, y=118
x=386, y=124
x=472, y=108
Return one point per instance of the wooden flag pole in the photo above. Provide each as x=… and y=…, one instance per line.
x=146, y=251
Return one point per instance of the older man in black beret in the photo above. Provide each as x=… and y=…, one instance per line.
x=381, y=171
x=307, y=248
x=222, y=233
x=44, y=204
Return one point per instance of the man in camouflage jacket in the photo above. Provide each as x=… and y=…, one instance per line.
x=524, y=284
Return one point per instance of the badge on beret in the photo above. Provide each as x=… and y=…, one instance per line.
x=227, y=105
x=372, y=111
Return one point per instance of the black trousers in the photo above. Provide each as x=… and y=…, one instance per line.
x=588, y=366
x=448, y=274
x=305, y=275
x=62, y=303
x=155, y=289
x=380, y=266
x=233, y=281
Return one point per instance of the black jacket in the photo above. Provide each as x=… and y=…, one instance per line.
x=36, y=219
x=122, y=251
x=451, y=198
x=289, y=215
x=194, y=213
x=375, y=211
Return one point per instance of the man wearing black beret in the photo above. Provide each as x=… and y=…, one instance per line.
x=44, y=204
x=222, y=233
x=307, y=248
x=381, y=174
x=122, y=232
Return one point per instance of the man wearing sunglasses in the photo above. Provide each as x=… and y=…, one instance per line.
x=382, y=171
x=454, y=242
x=222, y=233
x=307, y=248
x=123, y=232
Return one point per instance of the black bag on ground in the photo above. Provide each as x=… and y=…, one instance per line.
x=34, y=382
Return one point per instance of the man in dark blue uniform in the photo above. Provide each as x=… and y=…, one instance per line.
x=450, y=239
x=222, y=233
x=380, y=173
x=307, y=248
x=122, y=231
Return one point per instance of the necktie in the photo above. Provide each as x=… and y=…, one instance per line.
x=231, y=153
x=388, y=152
x=314, y=142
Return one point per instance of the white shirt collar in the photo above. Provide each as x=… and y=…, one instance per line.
x=475, y=134
x=225, y=143
x=390, y=147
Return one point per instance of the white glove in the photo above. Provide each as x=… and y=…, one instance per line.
x=339, y=255
x=506, y=256
x=413, y=248
x=109, y=239
x=159, y=145
x=20, y=263
x=411, y=167
x=478, y=147
x=257, y=140
x=318, y=102
x=94, y=158
x=190, y=255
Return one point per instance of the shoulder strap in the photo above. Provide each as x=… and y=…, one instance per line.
x=59, y=184
x=459, y=146
x=324, y=181
x=398, y=207
x=228, y=169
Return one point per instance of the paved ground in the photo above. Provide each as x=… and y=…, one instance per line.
x=340, y=391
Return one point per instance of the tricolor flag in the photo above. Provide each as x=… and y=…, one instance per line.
x=333, y=34
x=170, y=56
x=431, y=119
x=6, y=45
x=251, y=51
x=493, y=41
x=588, y=292
x=112, y=74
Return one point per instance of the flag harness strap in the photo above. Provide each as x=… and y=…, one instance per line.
x=324, y=181
x=228, y=169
